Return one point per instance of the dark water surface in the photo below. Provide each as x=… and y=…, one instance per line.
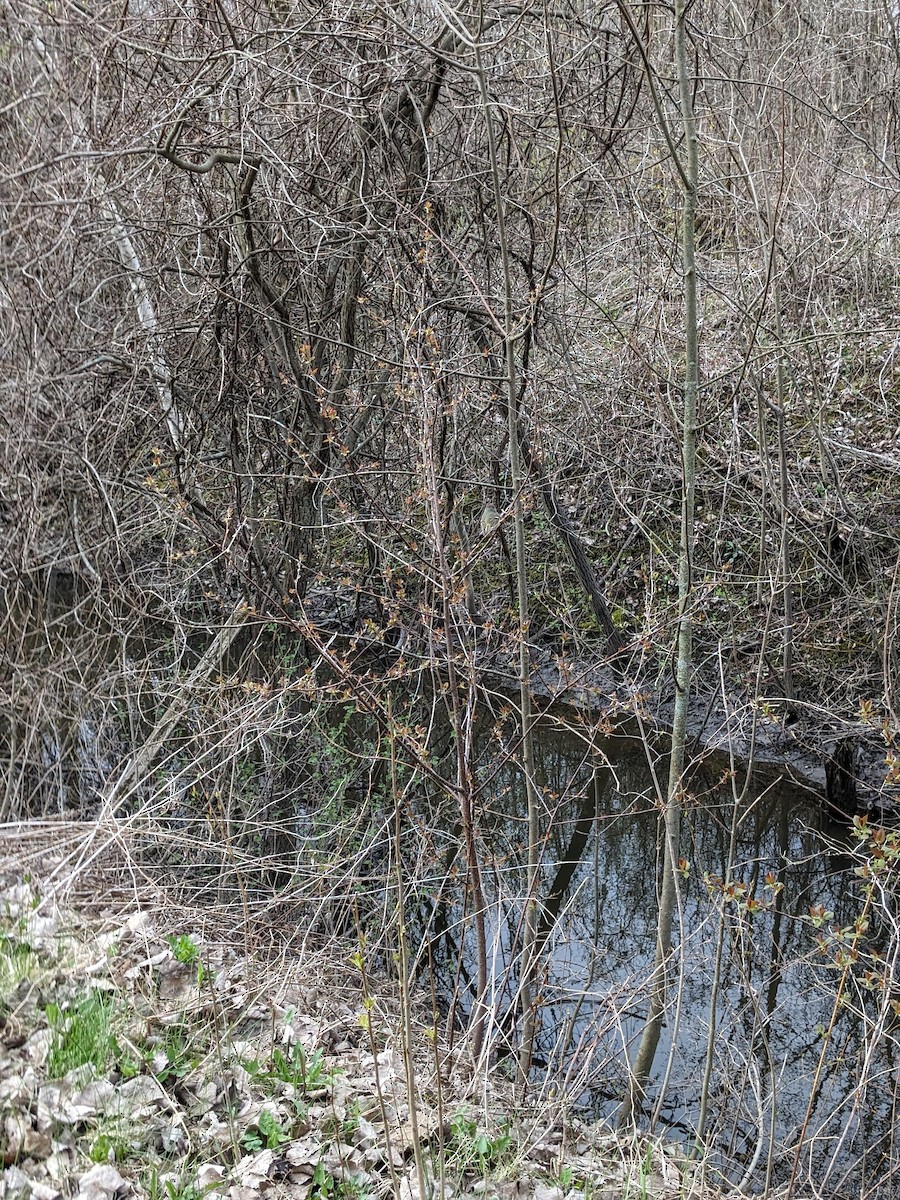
x=788, y=1064
x=777, y=989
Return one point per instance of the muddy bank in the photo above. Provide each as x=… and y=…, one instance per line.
x=770, y=739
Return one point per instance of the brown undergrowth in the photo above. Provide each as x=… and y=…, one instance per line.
x=149, y=1049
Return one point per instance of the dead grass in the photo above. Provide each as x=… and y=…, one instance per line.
x=236, y=1075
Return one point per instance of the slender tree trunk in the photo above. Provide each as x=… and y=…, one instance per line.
x=461, y=717
x=529, y=942
x=532, y=467
x=687, y=171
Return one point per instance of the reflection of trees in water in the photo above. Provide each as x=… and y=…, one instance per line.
x=775, y=993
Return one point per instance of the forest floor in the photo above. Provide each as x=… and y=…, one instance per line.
x=151, y=1050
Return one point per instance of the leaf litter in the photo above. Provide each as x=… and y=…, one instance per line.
x=139, y=1058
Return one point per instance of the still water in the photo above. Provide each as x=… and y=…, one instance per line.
x=787, y=1063
x=792, y=882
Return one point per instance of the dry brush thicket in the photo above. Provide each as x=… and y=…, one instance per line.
x=262, y=313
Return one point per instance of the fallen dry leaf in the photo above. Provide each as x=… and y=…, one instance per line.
x=102, y=1182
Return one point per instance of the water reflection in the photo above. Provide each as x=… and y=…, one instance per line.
x=303, y=796
x=776, y=989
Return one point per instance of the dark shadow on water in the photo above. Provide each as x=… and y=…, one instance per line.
x=597, y=929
